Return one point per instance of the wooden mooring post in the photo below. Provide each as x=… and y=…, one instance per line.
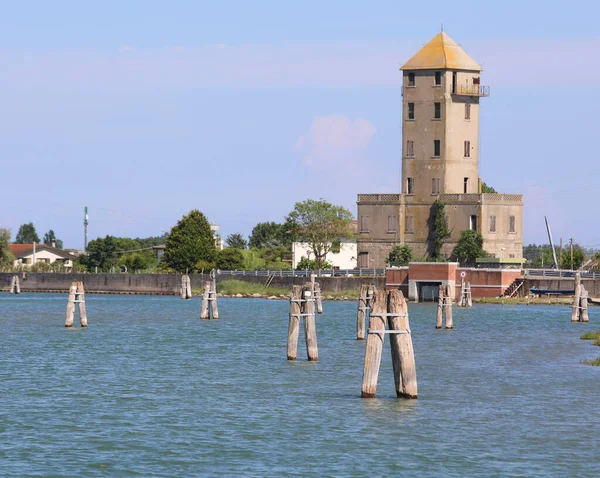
x=579, y=309
x=302, y=305
x=364, y=305
x=76, y=296
x=465, y=295
x=390, y=307
x=15, y=286
x=186, y=287
x=444, y=307
x=209, y=301
x=318, y=298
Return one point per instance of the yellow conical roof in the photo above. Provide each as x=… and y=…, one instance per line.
x=441, y=53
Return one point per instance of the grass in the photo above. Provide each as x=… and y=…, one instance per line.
x=591, y=336
x=595, y=363
x=233, y=287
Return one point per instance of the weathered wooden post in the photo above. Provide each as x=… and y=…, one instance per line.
x=390, y=307
x=374, y=344
x=310, y=326
x=440, y=308
x=362, y=312
x=213, y=300
x=403, y=355
x=448, y=307
x=186, y=287
x=204, y=309
x=469, y=296
x=80, y=299
x=584, y=316
x=15, y=286
x=318, y=298
x=71, y=305
x=575, y=314
x=294, y=326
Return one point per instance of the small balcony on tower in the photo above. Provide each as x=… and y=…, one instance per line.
x=471, y=90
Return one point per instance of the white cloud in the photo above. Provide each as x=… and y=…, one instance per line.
x=335, y=140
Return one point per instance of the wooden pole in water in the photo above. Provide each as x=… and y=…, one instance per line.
x=575, y=308
x=15, y=286
x=213, y=300
x=403, y=355
x=71, y=305
x=469, y=296
x=448, y=307
x=186, y=287
x=204, y=312
x=80, y=298
x=294, y=326
x=440, y=308
x=584, y=317
x=362, y=311
x=318, y=299
x=310, y=327
x=374, y=345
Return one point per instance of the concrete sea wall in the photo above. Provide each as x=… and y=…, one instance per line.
x=163, y=284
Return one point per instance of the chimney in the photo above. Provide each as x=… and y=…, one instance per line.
x=53, y=243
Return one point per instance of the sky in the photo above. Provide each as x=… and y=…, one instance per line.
x=144, y=110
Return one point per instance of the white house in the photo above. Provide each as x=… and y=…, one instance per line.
x=29, y=254
x=346, y=258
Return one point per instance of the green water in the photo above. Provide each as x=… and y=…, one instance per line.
x=150, y=390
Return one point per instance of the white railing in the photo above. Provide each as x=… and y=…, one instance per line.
x=307, y=273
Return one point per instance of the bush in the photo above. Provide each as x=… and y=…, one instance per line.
x=310, y=264
x=399, y=256
x=230, y=259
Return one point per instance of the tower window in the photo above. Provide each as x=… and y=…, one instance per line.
x=435, y=186
x=392, y=224
x=492, y=223
x=473, y=223
x=411, y=79
x=411, y=111
x=511, y=224
x=436, y=148
x=410, y=186
x=467, y=111
x=438, y=78
x=363, y=260
x=409, y=225
x=364, y=223
x=466, y=185
x=410, y=149
x=467, y=149
x=437, y=110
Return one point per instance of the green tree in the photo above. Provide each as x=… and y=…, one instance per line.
x=6, y=257
x=264, y=233
x=320, y=224
x=236, y=241
x=578, y=257
x=487, y=189
x=310, y=264
x=230, y=259
x=27, y=234
x=399, y=256
x=469, y=248
x=101, y=253
x=190, y=241
x=438, y=229
x=136, y=262
x=50, y=237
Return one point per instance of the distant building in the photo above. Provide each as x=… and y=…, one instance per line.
x=219, y=243
x=160, y=250
x=30, y=254
x=344, y=258
x=440, y=160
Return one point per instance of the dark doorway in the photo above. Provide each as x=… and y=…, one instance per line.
x=428, y=291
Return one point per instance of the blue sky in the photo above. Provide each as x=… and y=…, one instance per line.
x=143, y=110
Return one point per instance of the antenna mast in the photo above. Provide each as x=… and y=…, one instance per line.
x=85, y=227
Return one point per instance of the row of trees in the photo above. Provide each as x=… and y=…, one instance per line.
x=467, y=250
x=28, y=235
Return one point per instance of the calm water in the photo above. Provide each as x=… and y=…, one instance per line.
x=150, y=390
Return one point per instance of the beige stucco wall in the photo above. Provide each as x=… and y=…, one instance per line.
x=42, y=256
